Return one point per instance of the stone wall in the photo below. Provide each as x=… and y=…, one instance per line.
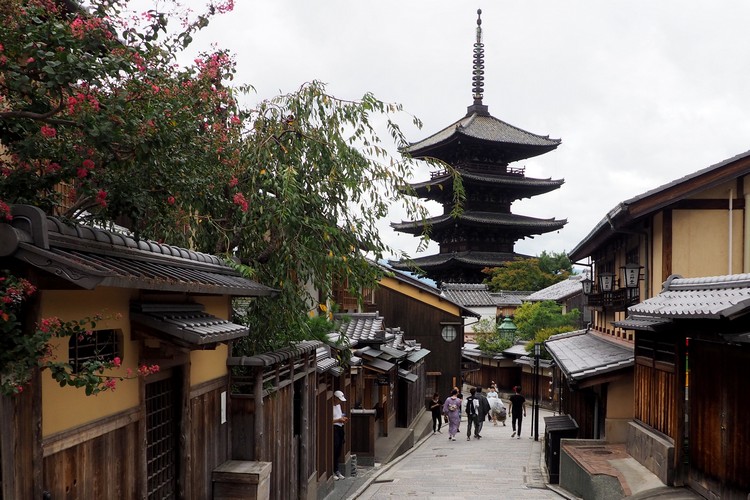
x=653, y=451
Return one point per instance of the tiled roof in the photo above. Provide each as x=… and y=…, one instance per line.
x=468, y=294
x=559, y=291
x=486, y=128
x=89, y=257
x=324, y=362
x=275, y=357
x=510, y=297
x=710, y=297
x=522, y=223
x=636, y=322
x=479, y=259
x=186, y=324
x=521, y=186
x=361, y=327
x=582, y=354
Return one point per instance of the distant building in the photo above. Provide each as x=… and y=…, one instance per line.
x=480, y=148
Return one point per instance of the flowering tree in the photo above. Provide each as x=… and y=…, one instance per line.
x=100, y=123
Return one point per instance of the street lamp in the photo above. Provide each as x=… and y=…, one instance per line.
x=631, y=274
x=586, y=285
x=606, y=280
x=537, y=352
x=507, y=329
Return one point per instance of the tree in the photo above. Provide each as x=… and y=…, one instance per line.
x=101, y=124
x=488, y=336
x=532, y=317
x=529, y=274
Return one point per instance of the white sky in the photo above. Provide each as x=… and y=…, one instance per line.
x=641, y=92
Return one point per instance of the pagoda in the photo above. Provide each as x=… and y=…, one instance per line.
x=479, y=148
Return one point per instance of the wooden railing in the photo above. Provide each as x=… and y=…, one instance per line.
x=618, y=299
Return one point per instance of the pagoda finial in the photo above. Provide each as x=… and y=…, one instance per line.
x=478, y=69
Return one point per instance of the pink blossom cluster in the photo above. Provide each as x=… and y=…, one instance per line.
x=86, y=166
x=239, y=199
x=5, y=210
x=77, y=101
x=48, y=132
x=79, y=27
x=101, y=197
x=211, y=66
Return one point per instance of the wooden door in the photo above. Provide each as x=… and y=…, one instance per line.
x=719, y=438
x=162, y=436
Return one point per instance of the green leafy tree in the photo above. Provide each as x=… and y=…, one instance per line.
x=489, y=338
x=533, y=317
x=530, y=274
x=99, y=123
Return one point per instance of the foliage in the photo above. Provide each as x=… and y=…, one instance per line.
x=21, y=352
x=489, y=338
x=544, y=334
x=102, y=124
x=532, y=317
x=529, y=274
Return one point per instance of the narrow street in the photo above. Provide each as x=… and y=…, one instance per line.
x=496, y=466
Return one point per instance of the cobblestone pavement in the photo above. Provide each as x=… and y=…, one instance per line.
x=496, y=466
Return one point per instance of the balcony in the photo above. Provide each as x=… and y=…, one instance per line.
x=619, y=299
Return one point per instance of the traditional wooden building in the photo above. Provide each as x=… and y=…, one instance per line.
x=480, y=148
x=692, y=350
x=695, y=226
x=155, y=437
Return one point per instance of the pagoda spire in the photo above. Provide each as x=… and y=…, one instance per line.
x=477, y=77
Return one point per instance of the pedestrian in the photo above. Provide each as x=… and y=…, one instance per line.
x=339, y=419
x=436, y=407
x=460, y=396
x=452, y=410
x=497, y=410
x=517, y=411
x=483, y=412
x=472, y=412
x=491, y=397
x=492, y=393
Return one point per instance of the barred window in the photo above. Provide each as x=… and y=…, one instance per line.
x=100, y=345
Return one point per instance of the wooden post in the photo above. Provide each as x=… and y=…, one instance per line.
x=259, y=434
x=304, y=463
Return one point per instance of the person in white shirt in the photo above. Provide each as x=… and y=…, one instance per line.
x=339, y=419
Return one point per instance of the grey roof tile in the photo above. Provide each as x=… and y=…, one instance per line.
x=559, y=291
x=582, y=354
x=707, y=297
x=468, y=294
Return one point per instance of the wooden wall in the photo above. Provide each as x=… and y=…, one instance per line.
x=209, y=438
x=422, y=322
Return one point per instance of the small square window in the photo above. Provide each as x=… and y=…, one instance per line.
x=100, y=345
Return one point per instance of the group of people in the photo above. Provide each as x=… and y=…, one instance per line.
x=478, y=407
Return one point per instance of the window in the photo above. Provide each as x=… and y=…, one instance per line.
x=100, y=345
x=449, y=333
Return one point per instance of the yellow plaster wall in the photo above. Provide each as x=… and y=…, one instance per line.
x=619, y=409
x=700, y=242
x=415, y=292
x=66, y=407
x=657, y=250
x=210, y=364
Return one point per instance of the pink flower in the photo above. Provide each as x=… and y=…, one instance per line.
x=88, y=164
x=117, y=361
x=48, y=131
x=233, y=181
x=239, y=199
x=101, y=198
x=30, y=60
x=170, y=200
x=82, y=172
x=110, y=384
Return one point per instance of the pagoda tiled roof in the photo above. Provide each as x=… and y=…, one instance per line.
x=486, y=128
x=470, y=258
x=520, y=223
x=520, y=185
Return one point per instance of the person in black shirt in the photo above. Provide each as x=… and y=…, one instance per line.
x=517, y=411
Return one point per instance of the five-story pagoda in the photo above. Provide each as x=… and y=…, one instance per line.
x=480, y=148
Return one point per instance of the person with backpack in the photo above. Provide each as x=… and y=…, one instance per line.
x=483, y=412
x=472, y=412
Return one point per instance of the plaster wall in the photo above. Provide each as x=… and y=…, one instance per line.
x=619, y=409
x=67, y=407
x=700, y=242
x=211, y=364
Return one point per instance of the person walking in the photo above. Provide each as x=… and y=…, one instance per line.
x=460, y=397
x=482, y=412
x=517, y=411
x=339, y=419
x=436, y=407
x=452, y=410
x=472, y=412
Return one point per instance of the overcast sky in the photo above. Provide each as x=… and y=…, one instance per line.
x=641, y=92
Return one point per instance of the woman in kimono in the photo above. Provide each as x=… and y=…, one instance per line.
x=452, y=409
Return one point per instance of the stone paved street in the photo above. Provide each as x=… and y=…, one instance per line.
x=497, y=466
